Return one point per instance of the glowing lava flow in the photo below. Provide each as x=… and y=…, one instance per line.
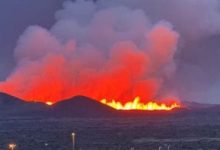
x=137, y=105
x=49, y=103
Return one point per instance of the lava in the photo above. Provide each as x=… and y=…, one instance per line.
x=49, y=103
x=137, y=105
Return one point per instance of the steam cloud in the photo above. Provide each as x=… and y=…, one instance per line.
x=107, y=49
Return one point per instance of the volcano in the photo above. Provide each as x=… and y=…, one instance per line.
x=81, y=106
x=8, y=100
x=78, y=106
x=13, y=106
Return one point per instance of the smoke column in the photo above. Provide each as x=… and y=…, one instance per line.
x=112, y=52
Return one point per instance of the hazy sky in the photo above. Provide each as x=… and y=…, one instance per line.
x=15, y=17
x=197, y=75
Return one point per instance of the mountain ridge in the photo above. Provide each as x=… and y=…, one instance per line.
x=81, y=106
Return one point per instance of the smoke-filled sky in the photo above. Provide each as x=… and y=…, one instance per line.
x=114, y=49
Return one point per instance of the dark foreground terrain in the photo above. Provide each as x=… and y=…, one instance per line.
x=35, y=126
x=198, y=131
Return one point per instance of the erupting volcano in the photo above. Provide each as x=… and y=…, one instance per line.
x=109, y=53
x=137, y=105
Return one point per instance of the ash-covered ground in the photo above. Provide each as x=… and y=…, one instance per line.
x=173, y=132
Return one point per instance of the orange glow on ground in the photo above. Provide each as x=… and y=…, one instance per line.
x=49, y=103
x=137, y=105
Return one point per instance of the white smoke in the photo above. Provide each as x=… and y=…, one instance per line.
x=91, y=43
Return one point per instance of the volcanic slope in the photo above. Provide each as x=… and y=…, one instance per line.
x=78, y=106
x=81, y=106
x=13, y=106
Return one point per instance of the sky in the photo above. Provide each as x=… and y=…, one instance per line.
x=15, y=17
x=191, y=72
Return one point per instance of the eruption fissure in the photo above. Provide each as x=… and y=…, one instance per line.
x=137, y=105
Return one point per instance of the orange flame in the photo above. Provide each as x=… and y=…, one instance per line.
x=137, y=105
x=49, y=103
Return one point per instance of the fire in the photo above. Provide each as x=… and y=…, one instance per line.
x=137, y=105
x=117, y=59
x=49, y=103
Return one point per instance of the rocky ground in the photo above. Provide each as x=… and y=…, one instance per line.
x=183, y=132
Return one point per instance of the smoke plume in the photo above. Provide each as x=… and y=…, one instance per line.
x=113, y=53
x=115, y=49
